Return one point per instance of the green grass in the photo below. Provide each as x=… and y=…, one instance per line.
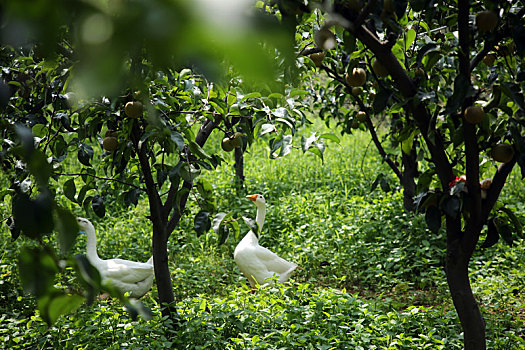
x=372, y=275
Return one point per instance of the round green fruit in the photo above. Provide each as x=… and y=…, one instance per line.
x=489, y=59
x=486, y=21
x=361, y=116
x=110, y=143
x=236, y=139
x=227, y=145
x=474, y=114
x=502, y=152
x=357, y=78
x=134, y=109
x=379, y=69
x=318, y=58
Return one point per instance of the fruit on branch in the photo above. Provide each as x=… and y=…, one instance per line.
x=110, y=143
x=355, y=124
x=357, y=78
x=379, y=69
x=356, y=91
x=486, y=21
x=318, y=58
x=489, y=59
x=236, y=139
x=134, y=109
x=325, y=39
x=474, y=114
x=226, y=144
x=361, y=116
x=502, y=152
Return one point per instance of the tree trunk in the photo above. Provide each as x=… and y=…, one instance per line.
x=162, y=270
x=408, y=178
x=466, y=306
x=239, y=166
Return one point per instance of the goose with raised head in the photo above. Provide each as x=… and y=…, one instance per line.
x=257, y=263
x=133, y=277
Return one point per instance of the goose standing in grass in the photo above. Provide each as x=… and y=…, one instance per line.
x=257, y=263
x=133, y=277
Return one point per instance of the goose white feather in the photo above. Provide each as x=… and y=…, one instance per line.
x=257, y=263
x=125, y=275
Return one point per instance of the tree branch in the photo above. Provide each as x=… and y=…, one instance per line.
x=474, y=224
x=408, y=89
x=495, y=188
x=201, y=138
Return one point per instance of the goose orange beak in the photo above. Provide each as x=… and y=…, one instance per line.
x=252, y=197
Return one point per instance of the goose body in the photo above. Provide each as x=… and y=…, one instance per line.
x=133, y=277
x=256, y=262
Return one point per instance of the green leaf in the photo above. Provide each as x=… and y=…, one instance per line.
x=266, y=128
x=70, y=189
x=252, y=224
x=198, y=151
x=433, y=218
x=514, y=92
x=250, y=95
x=221, y=224
x=85, y=154
x=407, y=142
x=33, y=217
x=39, y=166
x=306, y=143
x=381, y=100
x=88, y=276
x=97, y=203
x=37, y=269
x=409, y=39
x=451, y=206
x=67, y=228
x=202, y=222
x=504, y=230
x=178, y=139
x=349, y=42
x=26, y=139
x=461, y=88
x=425, y=49
x=492, y=235
x=518, y=228
x=53, y=306
x=330, y=136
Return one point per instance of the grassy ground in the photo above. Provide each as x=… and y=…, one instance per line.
x=372, y=275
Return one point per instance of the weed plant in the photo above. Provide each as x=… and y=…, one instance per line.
x=372, y=275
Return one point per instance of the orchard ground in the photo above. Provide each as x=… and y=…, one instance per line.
x=372, y=275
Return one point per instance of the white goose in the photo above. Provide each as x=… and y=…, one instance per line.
x=125, y=275
x=257, y=263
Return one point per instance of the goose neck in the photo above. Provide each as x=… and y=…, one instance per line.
x=91, y=244
x=259, y=218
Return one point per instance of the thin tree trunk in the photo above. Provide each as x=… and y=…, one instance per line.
x=472, y=321
x=162, y=271
x=239, y=166
x=408, y=178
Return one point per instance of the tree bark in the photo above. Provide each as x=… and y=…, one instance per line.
x=472, y=321
x=239, y=166
x=408, y=178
